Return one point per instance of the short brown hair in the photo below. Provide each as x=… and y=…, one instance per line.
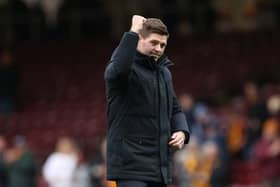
x=153, y=25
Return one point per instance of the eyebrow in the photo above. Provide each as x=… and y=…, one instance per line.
x=161, y=43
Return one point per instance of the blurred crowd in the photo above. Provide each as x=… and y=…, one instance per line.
x=66, y=166
x=246, y=128
x=56, y=19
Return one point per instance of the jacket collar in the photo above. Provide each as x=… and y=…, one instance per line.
x=150, y=63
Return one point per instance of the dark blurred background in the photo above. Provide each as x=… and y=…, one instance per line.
x=226, y=75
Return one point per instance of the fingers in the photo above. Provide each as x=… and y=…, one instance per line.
x=137, y=23
x=177, y=140
x=177, y=146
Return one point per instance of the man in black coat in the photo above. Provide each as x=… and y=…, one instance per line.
x=146, y=124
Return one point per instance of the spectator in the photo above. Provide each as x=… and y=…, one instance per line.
x=201, y=164
x=187, y=104
x=202, y=118
x=219, y=174
x=98, y=168
x=20, y=165
x=257, y=113
x=237, y=126
x=59, y=167
x=209, y=161
x=186, y=162
x=81, y=176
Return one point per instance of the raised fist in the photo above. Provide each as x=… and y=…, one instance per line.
x=137, y=23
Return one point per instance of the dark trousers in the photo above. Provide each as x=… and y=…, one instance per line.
x=132, y=183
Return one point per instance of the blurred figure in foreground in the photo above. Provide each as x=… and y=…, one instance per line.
x=21, y=167
x=60, y=166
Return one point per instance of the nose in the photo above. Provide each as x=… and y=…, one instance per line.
x=158, y=48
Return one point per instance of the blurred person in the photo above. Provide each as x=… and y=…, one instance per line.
x=145, y=121
x=208, y=163
x=3, y=170
x=267, y=153
x=186, y=102
x=237, y=128
x=186, y=162
x=81, y=175
x=257, y=113
x=21, y=165
x=202, y=119
x=98, y=168
x=97, y=165
x=220, y=173
x=59, y=168
x=8, y=82
x=207, y=127
x=201, y=165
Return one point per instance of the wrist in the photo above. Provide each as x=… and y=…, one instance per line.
x=134, y=30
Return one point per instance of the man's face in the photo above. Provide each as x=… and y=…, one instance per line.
x=153, y=45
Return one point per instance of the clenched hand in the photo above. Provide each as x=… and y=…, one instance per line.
x=137, y=23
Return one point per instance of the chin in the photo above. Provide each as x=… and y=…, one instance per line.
x=156, y=57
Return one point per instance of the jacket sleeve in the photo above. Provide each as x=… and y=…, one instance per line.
x=122, y=57
x=178, y=120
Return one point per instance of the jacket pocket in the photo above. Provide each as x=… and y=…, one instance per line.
x=140, y=154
